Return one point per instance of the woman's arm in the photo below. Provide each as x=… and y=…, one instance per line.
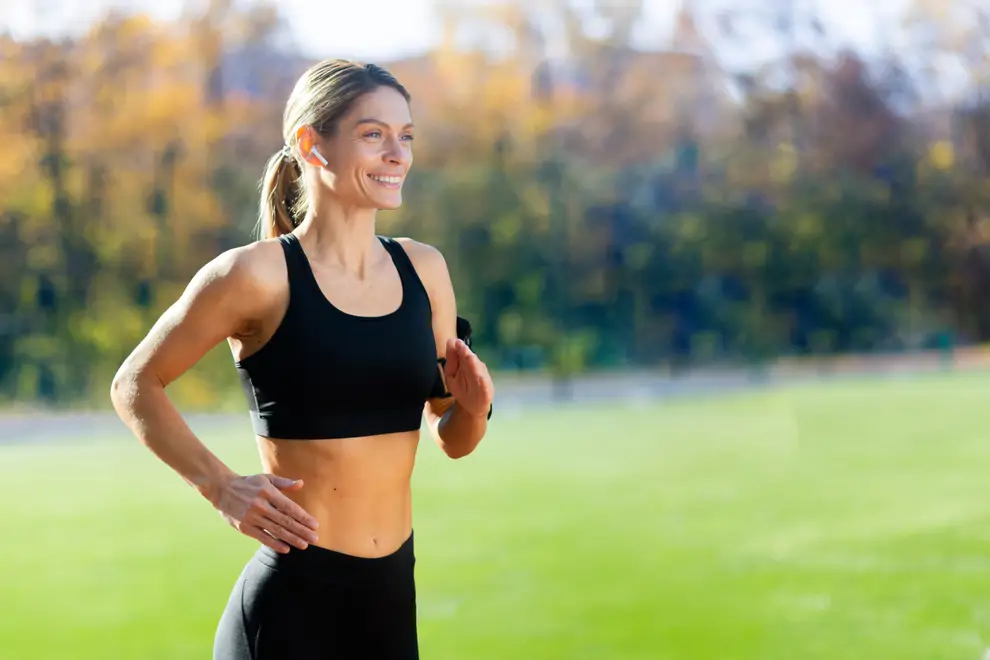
x=222, y=300
x=458, y=422
x=456, y=428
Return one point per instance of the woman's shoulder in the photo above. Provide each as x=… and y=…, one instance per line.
x=260, y=259
x=427, y=259
x=431, y=267
x=254, y=269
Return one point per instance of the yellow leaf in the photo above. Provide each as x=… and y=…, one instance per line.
x=942, y=155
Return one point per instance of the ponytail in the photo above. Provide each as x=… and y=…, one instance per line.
x=321, y=95
x=280, y=196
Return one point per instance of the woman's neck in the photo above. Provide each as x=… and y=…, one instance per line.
x=336, y=236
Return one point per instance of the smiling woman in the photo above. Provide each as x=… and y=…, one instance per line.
x=342, y=339
x=377, y=116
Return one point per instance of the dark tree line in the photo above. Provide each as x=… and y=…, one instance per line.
x=621, y=208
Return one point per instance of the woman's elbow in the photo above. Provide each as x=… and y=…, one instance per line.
x=126, y=385
x=459, y=448
x=120, y=386
x=458, y=451
x=456, y=435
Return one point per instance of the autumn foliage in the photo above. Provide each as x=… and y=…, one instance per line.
x=605, y=207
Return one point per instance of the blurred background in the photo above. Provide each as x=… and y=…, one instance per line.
x=637, y=200
x=646, y=185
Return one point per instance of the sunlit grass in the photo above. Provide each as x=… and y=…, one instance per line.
x=829, y=522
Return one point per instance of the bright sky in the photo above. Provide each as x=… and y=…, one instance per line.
x=322, y=27
x=338, y=28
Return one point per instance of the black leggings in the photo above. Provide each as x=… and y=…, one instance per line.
x=317, y=604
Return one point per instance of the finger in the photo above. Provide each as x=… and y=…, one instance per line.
x=474, y=367
x=284, y=483
x=472, y=361
x=453, y=363
x=280, y=532
x=479, y=380
x=291, y=525
x=485, y=378
x=287, y=506
x=265, y=538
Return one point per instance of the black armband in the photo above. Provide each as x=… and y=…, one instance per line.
x=464, y=330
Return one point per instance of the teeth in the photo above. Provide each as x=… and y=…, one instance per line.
x=387, y=179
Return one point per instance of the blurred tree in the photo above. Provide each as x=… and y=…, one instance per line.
x=599, y=205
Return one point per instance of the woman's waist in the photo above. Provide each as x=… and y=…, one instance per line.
x=364, y=526
x=358, y=489
x=340, y=567
x=377, y=467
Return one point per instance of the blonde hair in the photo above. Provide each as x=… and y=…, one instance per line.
x=320, y=97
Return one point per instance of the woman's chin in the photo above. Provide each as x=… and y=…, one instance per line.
x=388, y=202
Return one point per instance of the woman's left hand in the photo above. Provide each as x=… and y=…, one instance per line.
x=468, y=379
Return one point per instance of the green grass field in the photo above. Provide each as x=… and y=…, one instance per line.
x=838, y=521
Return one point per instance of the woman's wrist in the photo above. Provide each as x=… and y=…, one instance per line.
x=485, y=414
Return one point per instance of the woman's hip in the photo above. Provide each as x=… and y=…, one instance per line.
x=318, y=603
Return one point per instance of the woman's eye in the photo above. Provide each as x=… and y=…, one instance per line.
x=374, y=135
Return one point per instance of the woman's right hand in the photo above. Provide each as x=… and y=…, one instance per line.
x=255, y=506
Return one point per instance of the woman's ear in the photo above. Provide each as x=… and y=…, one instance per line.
x=306, y=139
x=315, y=152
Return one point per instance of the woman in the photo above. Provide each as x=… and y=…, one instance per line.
x=336, y=334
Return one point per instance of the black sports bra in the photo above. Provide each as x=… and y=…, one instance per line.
x=329, y=374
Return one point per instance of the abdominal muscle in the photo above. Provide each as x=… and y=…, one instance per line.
x=358, y=489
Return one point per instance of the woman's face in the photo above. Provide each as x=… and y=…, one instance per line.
x=370, y=152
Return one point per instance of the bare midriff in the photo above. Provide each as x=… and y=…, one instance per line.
x=358, y=489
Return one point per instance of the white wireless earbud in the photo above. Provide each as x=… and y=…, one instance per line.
x=319, y=156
